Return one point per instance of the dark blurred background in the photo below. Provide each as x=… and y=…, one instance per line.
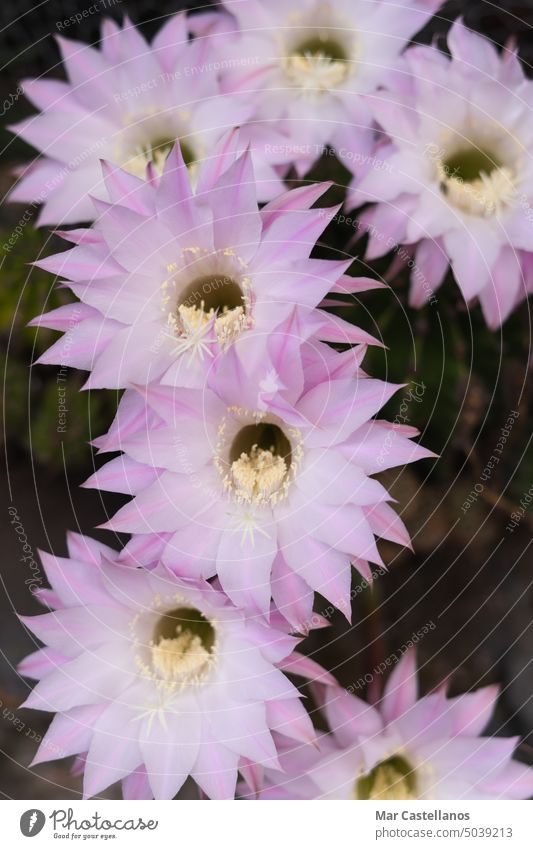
x=470, y=577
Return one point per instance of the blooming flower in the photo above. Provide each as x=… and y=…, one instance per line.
x=269, y=490
x=459, y=181
x=169, y=277
x=409, y=748
x=311, y=64
x=153, y=678
x=128, y=103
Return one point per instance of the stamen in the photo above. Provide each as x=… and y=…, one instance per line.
x=157, y=154
x=261, y=461
x=476, y=183
x=321, y=44
x=259, y=474
x=180, y=657
x=221, y=301
x=319, y=61
x=389, y=780
x=315, y=72
x=182, y=650
x=193, y=319
x=230, y=325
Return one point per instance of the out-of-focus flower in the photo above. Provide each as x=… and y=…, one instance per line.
x=409, y=748
x=311, y=63
x=153, y=679
x=170, y=277
x=271, y=490
x=456, y=174
x=128, y=103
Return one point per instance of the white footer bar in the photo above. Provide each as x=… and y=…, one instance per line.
x=268, y=825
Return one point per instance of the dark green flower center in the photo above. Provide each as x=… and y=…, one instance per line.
x=321, y=44
x=390, y=779
x=468, y=165
x=160, y=148
x=264, y=436
x=216, y=292
x=185, y=621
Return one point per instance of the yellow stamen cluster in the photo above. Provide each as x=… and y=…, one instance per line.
x=390, y=785
x=315, y=72
x=183, y=648
x=259, y=476
x=137, y=163
x=390, y=780
x=229, y=324
x=181, y=659
x=192, y=305
x=191, y=322
x=486, y=196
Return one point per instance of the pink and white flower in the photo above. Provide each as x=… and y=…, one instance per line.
x=264, y=479
x=407, y=748
x=128, y=103
x=153, y=678
x=458, y=178
x=170, y=277
x=311, y=64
